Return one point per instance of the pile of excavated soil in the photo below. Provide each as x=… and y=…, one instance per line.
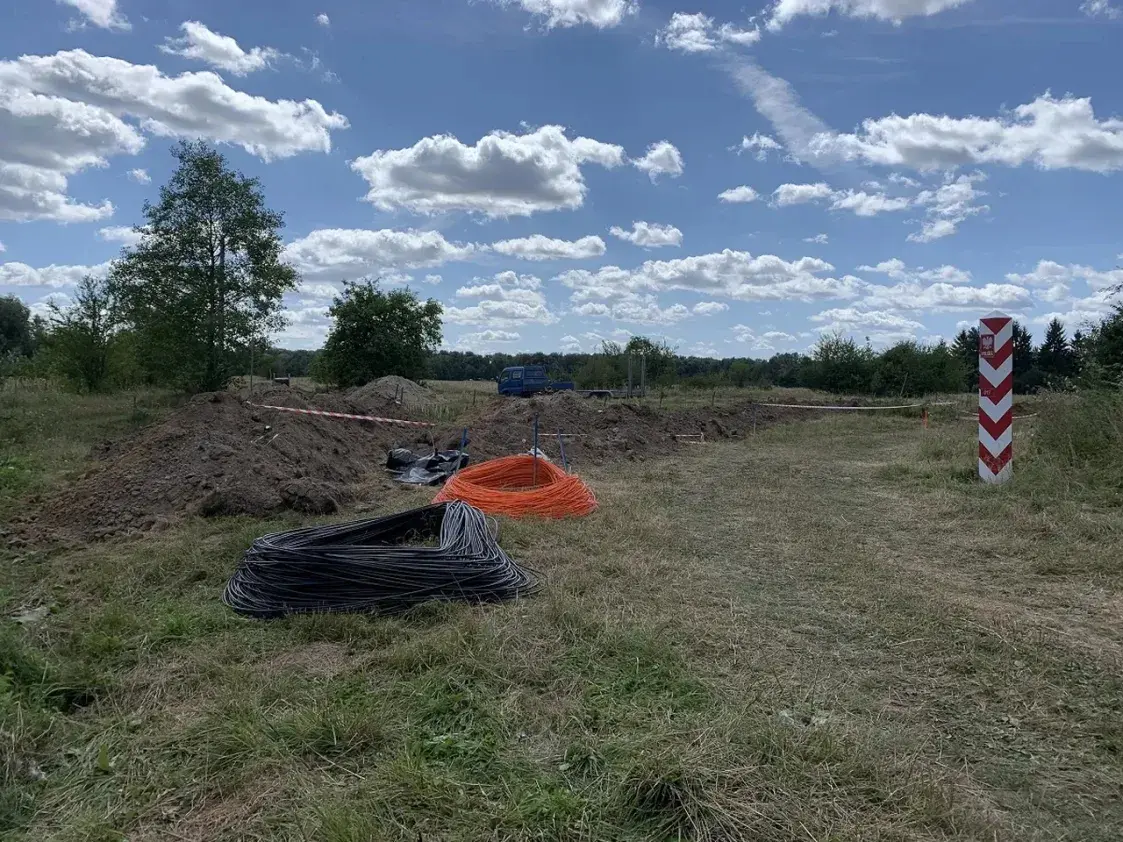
x=392, y=388
x=218, y=455
x=603, y=431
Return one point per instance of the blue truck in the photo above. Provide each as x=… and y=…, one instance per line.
x=525, y=380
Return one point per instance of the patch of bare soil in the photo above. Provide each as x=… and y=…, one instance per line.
x=600, y=431
x=218, y=455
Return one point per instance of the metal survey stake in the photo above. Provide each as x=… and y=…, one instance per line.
x=534, y=479
x=561, y=446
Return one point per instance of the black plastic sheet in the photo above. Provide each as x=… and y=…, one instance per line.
x=431, y=469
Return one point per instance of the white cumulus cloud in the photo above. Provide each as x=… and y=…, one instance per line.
x=762, y=143
x=601, y=14
x=502, y=174
x=1101, y=8
x=323, y=20
x=734, y=274
x=50, y=277
x=867, y=204
x=649, y=234
x=819, y=239
x=349, y=253
x=662, y=158
x=1049, y=133
x=45, y=140
x=540, y=247
x=945, y=297
x=201, y=44
x=858, y=202
x=798, y=194
x=897, y=270
x=485, y=337
x=67, y=112
x=1057, y=277
x=101, y=13
x=765, y=342
x=708, y=308
x=850, y=319
x=123, y=234
x=506, y=300
x=949, y=205
x=140, y=176
x=894, y=11
x=635, y=309
x=738, y=194
x=696, y=33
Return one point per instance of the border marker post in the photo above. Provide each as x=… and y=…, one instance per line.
x=996, y=398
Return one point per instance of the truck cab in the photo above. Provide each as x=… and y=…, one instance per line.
x=524, y=380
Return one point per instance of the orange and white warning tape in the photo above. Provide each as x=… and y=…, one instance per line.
x=343, y=415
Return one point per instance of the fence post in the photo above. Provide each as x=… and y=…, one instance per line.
x=996, y=398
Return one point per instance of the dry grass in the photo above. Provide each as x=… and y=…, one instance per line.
x=825, y=632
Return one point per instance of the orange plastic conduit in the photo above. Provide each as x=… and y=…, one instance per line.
x=506, y=487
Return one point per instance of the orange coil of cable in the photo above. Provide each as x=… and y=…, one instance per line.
x=516, y=487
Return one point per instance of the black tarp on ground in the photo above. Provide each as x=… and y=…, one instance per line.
x=432, y=469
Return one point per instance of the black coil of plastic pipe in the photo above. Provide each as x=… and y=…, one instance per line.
x=378, y=566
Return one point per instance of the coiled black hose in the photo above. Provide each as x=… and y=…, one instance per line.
x=378, y=566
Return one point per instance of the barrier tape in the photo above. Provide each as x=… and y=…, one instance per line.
x=853, y=408
x=343, y=415
x=1016, y=417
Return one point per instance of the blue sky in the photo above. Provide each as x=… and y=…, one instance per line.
x=735, y=177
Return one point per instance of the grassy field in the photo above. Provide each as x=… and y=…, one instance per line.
x=827, y=631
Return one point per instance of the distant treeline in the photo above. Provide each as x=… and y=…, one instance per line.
x=836, y=364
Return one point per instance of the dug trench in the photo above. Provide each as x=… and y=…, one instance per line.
x=221, y=455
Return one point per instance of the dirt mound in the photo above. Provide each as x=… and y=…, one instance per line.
x=218, y=455
x=599, y=431
x=394, y=389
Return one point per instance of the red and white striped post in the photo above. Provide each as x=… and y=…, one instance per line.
x=996, y=398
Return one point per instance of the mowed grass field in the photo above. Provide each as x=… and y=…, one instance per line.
x=827, y=631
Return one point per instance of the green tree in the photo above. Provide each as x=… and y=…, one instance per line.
x=81, y=335
x=1105, y=350
x=910, y=369
x=1055, y=357
x=842, y=366
x=606, y=370
x=1081, y=350
x=1027, y=376
x=376, y=333
x=659, y=356
x=16, y=334
x=966, y=349
x=207, y=277
x=739, y=373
